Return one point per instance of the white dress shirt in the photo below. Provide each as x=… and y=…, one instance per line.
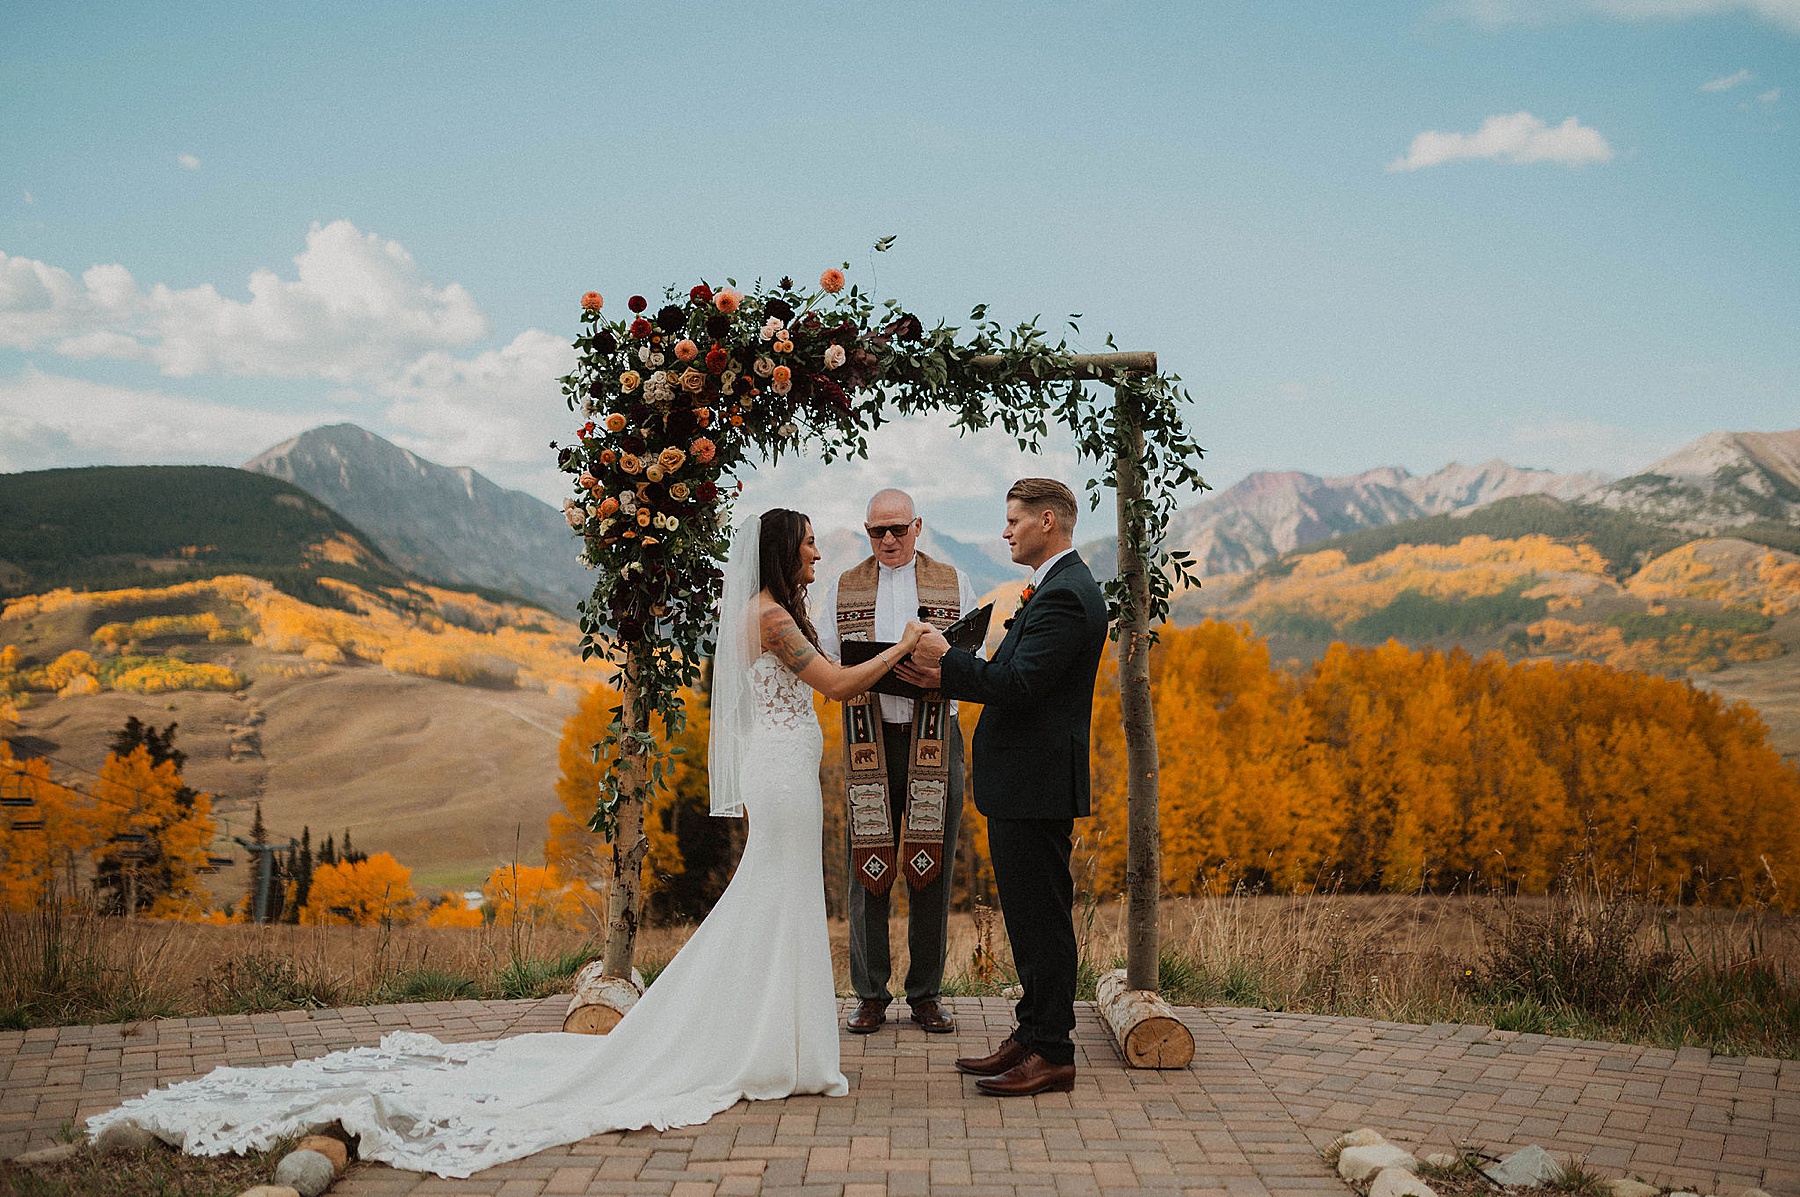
x=1038, y=574
x=896, y=602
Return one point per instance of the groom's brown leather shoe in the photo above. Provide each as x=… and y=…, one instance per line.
x=868, y=1017
x=1010, y=1052
x=930, y=1016
x=1033, y=1074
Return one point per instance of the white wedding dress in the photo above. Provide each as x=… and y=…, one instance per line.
x=745, y=1010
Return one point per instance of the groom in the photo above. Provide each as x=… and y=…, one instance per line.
x=1031, y=774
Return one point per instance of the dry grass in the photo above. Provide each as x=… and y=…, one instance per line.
x=1725, y=979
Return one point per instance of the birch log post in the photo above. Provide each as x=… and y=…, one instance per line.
x=600, y=1000
x=1144, y=1026
x=1143, y=864
x=629, y=842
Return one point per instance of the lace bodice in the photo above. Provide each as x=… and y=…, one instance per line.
x=783, y=701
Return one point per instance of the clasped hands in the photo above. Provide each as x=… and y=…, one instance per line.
x=922, y=667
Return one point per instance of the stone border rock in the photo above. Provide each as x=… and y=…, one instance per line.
x=1372, y=1165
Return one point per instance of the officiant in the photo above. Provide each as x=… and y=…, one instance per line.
x=903, y=768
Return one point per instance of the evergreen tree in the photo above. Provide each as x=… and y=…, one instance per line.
x=259, y=834
x=350, y=855
x=303, y=874
x=327, y=854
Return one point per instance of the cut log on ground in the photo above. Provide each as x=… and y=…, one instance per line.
x=1143, y=1025
x=600, y=1001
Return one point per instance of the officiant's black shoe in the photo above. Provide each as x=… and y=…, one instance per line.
x=1033, y=1074
x=1009, y=1052
x=930, y=1015
x=868, y=1017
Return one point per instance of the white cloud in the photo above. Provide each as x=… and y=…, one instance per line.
x=958, y=482
x=1727, y=82
x=187, y=162
x=30, y=198
x=48, y=420
x=1770, y=96
x=1517, y=138
x=501, y=408
x=357, y=308
x=1493, y=14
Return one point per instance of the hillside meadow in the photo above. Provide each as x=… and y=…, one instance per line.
x=451, y=731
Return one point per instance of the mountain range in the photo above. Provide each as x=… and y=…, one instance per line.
x=447, y=523
x=452, y=524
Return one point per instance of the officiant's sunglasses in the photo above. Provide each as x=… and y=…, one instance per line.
x=883, y=531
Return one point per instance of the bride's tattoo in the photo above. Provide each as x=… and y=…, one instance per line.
x=786, y=640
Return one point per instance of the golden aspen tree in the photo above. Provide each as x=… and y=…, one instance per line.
x=360, y=893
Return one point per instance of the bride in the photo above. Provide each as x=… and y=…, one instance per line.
x=746, y=1009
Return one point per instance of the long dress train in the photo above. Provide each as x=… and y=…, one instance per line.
x=745, y=1010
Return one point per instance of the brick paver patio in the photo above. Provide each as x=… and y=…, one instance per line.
x=1265, y=1093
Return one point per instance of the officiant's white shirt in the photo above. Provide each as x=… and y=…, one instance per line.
x=896, y=602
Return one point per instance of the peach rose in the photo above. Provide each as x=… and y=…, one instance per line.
x=671, y=459
x=772, y=328
x=834, y=356
x=686, y=350
x=781, y=388
x=628, y=381
x=692, y=381
x=679, y=492
x=763, y=367
x=727, y=301
x=703, y=450
x=783, y=376
x=615, y=422
x=630, y=464
x=832, y=281
x=591, y=301
x=587, y=480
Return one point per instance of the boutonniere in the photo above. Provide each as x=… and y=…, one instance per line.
x=1024, y=597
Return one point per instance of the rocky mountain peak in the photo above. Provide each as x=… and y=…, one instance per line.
x=445, y=522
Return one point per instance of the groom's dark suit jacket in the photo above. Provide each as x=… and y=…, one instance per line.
x=1037, y=696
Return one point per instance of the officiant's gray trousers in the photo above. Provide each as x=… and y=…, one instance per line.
x=928, y=909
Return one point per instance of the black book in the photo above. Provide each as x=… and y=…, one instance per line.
x=969, y=632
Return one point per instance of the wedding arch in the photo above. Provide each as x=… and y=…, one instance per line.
x=677, y=399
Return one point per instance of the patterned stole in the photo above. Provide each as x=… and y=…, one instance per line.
x=875, y=851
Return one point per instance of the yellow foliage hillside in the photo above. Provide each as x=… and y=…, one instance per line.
x=423, y=630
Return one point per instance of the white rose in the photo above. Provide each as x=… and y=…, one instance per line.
x=644, y=355
x=771, y=328
x=657, y=359
x=788, y=430
x=834, y=356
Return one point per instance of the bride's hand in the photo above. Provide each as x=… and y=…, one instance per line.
x=914, y=630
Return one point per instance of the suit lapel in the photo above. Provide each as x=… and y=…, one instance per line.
x=1004, y=649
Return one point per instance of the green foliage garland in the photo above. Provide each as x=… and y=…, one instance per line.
x=677, y=400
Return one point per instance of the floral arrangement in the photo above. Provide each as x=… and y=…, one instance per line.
x=676, y=400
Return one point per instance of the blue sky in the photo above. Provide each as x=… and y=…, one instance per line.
x=1364, y=234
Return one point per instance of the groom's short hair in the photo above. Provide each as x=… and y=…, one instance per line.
x=1047, y=494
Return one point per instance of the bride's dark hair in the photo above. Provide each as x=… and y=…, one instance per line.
x=778, y=564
